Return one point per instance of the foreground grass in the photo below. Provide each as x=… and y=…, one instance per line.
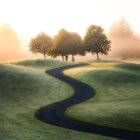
x=117, y=100
x=23, y=90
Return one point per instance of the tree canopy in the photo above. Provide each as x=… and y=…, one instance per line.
x=95, y=41
x=41, y=44
x=59, y=47
x=66, y=43
x=76, y=45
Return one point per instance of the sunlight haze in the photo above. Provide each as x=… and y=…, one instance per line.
x=29, y=17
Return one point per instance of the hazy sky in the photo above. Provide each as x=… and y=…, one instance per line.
x=29, y=17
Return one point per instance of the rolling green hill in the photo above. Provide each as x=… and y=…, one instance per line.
x=117, y=100
x=24, y=88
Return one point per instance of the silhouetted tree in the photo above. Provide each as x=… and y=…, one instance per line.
x=76, y=45
x=66, y=43
x=59, y=47
x=41, y=44
x=95, y=41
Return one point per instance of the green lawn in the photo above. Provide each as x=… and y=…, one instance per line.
x=117, y=100
x=24, y=88
x=42, y=63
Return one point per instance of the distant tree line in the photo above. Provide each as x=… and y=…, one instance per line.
x=67, y=43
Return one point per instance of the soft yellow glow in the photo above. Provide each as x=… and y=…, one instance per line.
x=29, y=17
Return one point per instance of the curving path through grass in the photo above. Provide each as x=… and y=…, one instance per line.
x=55, y=113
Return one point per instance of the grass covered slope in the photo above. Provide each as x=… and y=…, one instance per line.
x=117, y=100
x=42, y=63
x=23, y=90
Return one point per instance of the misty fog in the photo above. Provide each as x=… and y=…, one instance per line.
x=125, y=43
x=10, y=45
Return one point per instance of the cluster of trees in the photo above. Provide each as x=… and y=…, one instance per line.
x=68, y=43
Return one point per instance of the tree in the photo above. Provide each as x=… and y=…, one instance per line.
x=95, y=41
x=75, y=45
x=41, y=44
x=60, y=43
x=66, y=43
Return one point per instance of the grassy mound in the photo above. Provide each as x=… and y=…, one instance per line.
x=23, y=90
x=42, y=63
x=117, y=100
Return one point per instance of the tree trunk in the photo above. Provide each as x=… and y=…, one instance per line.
x=97, y=56
x=44, y=55
x=73, y=59
x=66, y=58
x=63, y=58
